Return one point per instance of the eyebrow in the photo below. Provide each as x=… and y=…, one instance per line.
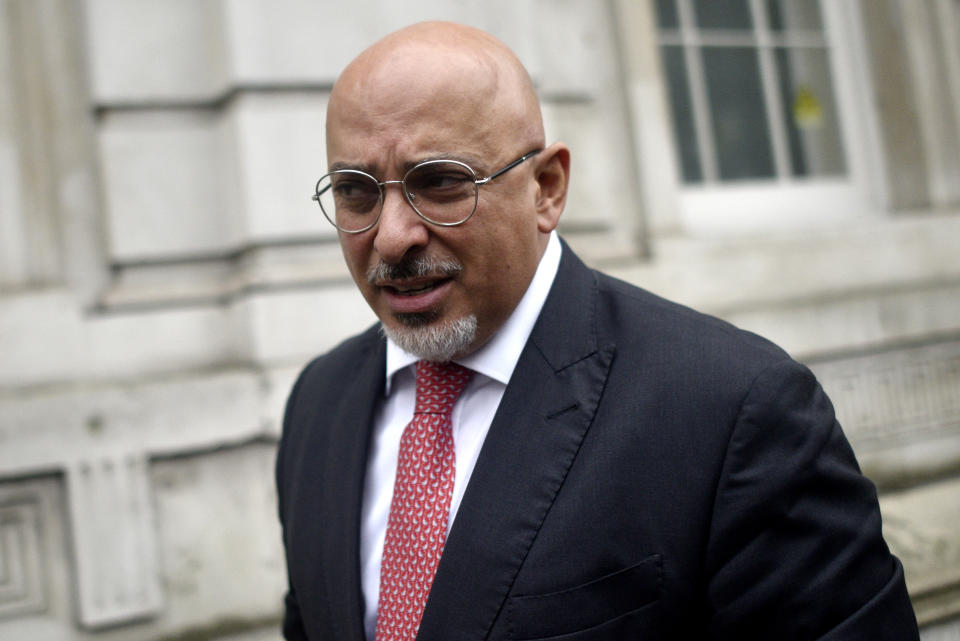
x=471, y=161
x=340, y=166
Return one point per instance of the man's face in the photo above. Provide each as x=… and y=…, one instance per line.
x=389, y=123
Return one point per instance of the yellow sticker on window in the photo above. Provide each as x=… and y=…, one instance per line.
x=807, y=111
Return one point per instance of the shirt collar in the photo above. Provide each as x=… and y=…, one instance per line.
x=499, y=356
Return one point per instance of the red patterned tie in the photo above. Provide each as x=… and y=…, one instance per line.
x=417, y=525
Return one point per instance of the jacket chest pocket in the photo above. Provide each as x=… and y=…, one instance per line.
x=586, y=606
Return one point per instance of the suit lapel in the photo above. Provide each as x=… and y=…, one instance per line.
x=340, y=480
x=535, y=436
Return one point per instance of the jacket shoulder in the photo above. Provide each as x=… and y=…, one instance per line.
x=683, y=336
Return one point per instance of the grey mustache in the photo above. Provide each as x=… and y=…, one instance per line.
x=413, y=268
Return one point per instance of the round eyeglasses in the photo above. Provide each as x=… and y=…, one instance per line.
x=442, y=192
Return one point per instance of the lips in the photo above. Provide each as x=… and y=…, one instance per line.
x=414, y=291
x=415, y=296
x=418, y=284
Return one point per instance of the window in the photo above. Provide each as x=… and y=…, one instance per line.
x=752, y=95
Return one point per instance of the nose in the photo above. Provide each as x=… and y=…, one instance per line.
x=399, y=229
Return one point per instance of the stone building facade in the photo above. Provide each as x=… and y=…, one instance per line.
x=789, y=165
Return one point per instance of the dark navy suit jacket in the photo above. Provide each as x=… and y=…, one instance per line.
x=651, y=473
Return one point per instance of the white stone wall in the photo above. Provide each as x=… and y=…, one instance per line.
x=163, y=275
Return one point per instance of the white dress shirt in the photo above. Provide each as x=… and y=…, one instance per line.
x=493, y=365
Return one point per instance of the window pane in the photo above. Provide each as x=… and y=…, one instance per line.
x=674, y=62
x=667, y=14
x=725, y=14
x=816, y=148
x=740, y=127
x=785, y=15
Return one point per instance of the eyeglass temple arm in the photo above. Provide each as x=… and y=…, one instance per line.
x=317, y=195
x=516, y=162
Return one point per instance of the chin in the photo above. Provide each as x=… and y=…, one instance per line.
x=417, y=320
x=430, y=339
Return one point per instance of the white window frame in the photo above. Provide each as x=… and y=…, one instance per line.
x=788, y=203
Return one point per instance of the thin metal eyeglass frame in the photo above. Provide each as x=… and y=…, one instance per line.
x=380, y=185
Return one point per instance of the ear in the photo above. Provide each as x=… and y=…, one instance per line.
x=553, y=177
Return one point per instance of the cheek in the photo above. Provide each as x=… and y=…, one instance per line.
x=356, y=253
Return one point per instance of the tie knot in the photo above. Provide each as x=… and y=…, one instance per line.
x=439, y=385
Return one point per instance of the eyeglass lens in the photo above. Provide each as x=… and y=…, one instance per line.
x=441, y=191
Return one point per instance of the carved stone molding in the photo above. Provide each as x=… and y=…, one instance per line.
x=100, y=440
x=22, y=584
x=113, y=539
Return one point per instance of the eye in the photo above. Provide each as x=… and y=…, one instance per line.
x=443, y=180
x=350, y=187
x=440, y=181
x=355, y=193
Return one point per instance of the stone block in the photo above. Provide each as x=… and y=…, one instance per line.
x=921, y=526
x=13, y=249
x=280, y=144
x=41, y=337
x=297, y=41
x=219, y=538
x=167, y=180
x=572, y=52
x=293, y=41
x=166, y=340
x=941, y=631
x=271, y=633
x=599, y=187
x=291, y=326
x=156, y=50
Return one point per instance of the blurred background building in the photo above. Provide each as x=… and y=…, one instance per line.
x=790, y=165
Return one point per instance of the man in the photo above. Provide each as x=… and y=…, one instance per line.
x=587, y=461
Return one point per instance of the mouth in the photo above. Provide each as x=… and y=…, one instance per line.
x=418, y=285
x=415, y=296
x=416, y=290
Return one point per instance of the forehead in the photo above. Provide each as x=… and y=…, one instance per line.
x=416, y=103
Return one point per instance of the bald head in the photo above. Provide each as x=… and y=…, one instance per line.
x=442, y=97
x=442, y=71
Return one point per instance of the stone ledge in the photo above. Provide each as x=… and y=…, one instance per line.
x=900, y=408
x=921, y=526
x=226, y=277
x=726, y=275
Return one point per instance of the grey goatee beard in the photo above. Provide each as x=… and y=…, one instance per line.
x=421, y=334
x=438, y=342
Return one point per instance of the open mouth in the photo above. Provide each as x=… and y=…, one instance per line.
x=413, y=290
x=416, y=296
x=418, y=285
